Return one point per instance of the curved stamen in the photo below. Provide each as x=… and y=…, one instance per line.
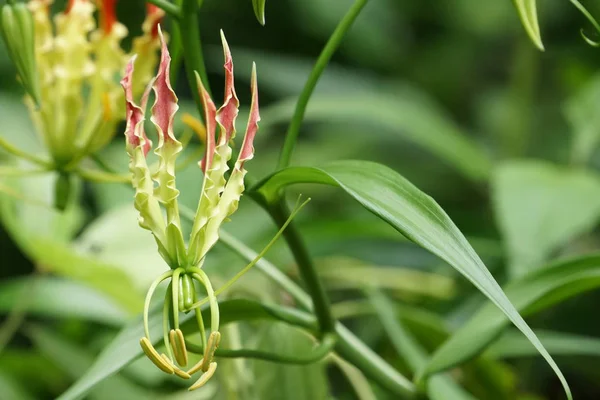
x=199, y=319
x=201, y=277
x=166, y=307
x=149, y=294
x=205, y=377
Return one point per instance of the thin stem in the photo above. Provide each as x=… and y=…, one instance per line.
x=102, y=177
x=15, y=151
x=168, y=7
x=311, y=83
x=318, y=353
x=214, y=305
x=258, y=257
x=306, y=267
x=200, y=320
x=192, y=49
x=149, y=294
x=349, y=346
x=175, y=294
x=175, y=49
x=166, y=306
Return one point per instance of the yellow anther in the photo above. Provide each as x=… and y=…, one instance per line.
x=158, y=360
x=196, y=125
x=197, y=367
x=211, y=346
x=176, y=371
x=177, y=342
x=205, y=377
x=106, y=109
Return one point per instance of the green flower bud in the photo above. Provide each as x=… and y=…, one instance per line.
x=16, y=27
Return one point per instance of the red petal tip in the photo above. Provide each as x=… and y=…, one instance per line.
x=247, y=151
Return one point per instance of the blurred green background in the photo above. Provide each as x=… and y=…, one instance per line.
x=450, y=94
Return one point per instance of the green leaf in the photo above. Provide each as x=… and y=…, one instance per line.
x=60, y=298
x=407, y=113
x=345, y=273
x=528, y=14
x=581, y=112
x=259, y=10
x=440, y=387
x=293, y=382
x=512, y=345
x=12, y=389
x=530, y=294
x=540, y=207
x=416, y=215
x=355, y=377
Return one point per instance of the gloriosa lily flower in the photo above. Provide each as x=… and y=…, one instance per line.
x=75, y=57
x=156, y=190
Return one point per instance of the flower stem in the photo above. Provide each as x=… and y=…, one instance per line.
x=192, y=49
x=9, y=148
x=317, y=354
x=167, y=7
x=311, y=83
x=322, y=308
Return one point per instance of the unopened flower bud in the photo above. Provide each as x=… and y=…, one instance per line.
x=16, y=26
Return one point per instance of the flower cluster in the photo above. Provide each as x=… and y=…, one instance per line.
x=156, y=191
x=78, y=64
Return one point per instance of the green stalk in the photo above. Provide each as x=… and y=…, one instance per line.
x=311, y=83
x=321, y=351
x=322, y=308
x=167, y=7
x=175, y=49
x=350, y=347
x=192, y=49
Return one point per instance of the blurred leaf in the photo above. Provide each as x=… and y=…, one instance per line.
x=344, y=273
x=377, y=37
x=116, y=238
x=416, y=215
x=581, y=112
x=284, y=75
x=355, y=377
x=11, y=389
x=528, y=14
x=511, y=345
x=259, y=10
x=60, y=298
x=44, y=234
x=439, y=387
x=407, y=113
x=293, y=382
x=540, y=207
x=530, y=294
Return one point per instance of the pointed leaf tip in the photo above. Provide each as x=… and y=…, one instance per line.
x=528, y=14
x=259, y=10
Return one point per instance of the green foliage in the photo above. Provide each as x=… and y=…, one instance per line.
x=540, y=207
x=528, y=14
x=259, y=10
x=478, y=159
